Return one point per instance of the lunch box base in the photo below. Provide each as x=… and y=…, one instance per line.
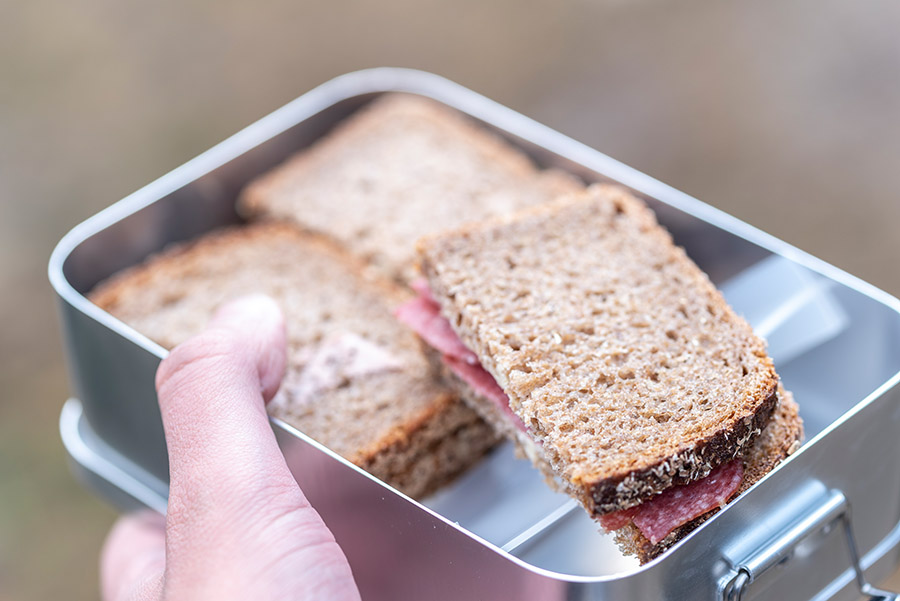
x=498, y=532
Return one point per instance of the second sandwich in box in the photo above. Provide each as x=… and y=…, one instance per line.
x=356, y=381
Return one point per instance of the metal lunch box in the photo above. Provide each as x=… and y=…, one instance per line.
x=499, y=532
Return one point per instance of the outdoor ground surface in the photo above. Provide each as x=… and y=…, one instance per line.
x=784, y=114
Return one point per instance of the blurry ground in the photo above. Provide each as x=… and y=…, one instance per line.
x=785, y=114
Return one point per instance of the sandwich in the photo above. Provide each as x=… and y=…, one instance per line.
x=357, y=380
x=582, y=333
x=395, y=170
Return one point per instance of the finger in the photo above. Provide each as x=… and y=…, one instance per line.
x=133, y=558
x=231, y=494
x=211, y=393
x=246, y=317
x=224, y=461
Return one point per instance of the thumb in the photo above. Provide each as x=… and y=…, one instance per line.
x=212, y=391
x=235, y=510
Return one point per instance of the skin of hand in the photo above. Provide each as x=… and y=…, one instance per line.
x=237, y=525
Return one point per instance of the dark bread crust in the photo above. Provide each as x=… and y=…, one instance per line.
x=716, y=450
x=780, y=438
x=430, y=449
x=121, y=286
x=613, y=494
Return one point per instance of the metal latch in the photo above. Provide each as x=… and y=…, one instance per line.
x=835, y=511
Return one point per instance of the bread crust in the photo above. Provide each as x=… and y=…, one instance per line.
x=430, y=449
x=122, y=286
x=781, y=437
x=613, y=494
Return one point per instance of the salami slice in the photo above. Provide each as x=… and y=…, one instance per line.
x=484, y=383
x=680, y=504
x=422, y=289
x=617, y=519
x=423, y=315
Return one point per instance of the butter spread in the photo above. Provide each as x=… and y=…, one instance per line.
x=336, y=361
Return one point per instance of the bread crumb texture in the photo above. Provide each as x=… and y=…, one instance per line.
x=615, y=349
x=371, y=395
x=400, y=168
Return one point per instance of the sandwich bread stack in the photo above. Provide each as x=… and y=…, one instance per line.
x=580, y=331
x=362, y=195
x=565, y=317
x=357, y=380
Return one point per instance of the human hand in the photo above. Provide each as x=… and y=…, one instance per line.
x=237, y=525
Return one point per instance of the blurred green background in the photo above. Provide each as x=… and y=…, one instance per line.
x=784, y=114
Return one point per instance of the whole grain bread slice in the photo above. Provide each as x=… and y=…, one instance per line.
x=779, y=439
x=616, y=351
x=357, y=380
x=399, y=168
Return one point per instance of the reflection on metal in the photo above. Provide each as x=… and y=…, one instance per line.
x=539, y=527
x=116, y=479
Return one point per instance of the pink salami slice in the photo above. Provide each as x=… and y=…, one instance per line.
x=681, y=504
x=617, y=519
x=424, y=317
x=422, y=289
x=484, y=383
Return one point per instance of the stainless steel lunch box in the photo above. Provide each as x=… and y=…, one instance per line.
x=499, y=532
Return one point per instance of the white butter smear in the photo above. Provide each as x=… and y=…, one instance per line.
x=336, y=361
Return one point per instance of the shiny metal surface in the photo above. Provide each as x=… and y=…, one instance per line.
x=104, y=470
x=831, y=512
x=499, y=532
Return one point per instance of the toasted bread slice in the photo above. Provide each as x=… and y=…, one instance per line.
x=369, y=393
x=622, y=359
x=400, y=168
